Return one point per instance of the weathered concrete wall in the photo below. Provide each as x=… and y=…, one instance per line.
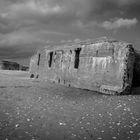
x=105, y=66
x=37, y=64
x=33, y=65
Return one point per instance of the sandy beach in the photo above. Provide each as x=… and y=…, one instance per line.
x=38, y=110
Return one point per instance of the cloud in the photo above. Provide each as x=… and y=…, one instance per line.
x=27, y=24
x=34, y=7
x=68, y=12
x=24, y=42
x=119, y=23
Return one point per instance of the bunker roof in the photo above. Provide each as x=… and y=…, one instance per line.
x=77, y=44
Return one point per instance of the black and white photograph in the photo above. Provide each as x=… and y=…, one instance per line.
x=69, y=69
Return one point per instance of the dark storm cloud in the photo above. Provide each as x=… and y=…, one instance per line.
x=15, y=52
x=49, y=10
x=57, y=12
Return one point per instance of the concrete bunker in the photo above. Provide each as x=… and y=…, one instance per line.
x=9, y=65
x=105, y=66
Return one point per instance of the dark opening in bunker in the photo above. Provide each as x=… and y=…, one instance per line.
x=50, y=59
x=77, y=53
x=37, y=76
x=32, y=76
x=38, y=59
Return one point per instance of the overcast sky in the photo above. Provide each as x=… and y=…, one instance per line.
x=26, y=25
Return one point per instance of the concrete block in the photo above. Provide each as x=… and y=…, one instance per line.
x=102, y=66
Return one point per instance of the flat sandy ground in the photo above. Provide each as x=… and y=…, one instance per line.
x=34, y=110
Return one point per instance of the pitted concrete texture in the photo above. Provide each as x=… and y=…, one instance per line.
x=33, y=65
x=103, y=66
